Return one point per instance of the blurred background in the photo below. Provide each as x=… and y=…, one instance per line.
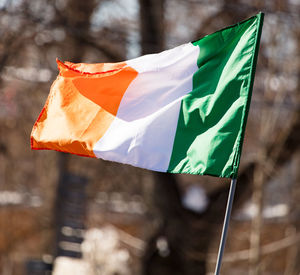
x=64, y=214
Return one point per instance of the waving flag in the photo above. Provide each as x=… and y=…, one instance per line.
x=183, y=110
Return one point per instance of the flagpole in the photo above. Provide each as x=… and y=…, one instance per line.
x=225, y=225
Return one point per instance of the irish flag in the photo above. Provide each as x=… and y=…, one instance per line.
x=183, y=110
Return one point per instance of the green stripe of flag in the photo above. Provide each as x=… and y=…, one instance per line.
x=213, y=116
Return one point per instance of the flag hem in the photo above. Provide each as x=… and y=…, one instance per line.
x=237, y=157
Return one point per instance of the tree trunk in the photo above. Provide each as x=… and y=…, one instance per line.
x=152, y=25
x=70, y=192
x=167, y=250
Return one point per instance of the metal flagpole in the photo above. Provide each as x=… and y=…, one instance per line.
x=225, y=225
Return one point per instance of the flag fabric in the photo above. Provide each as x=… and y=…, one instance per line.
x=183, y=110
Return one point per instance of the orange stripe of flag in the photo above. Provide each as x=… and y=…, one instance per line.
x=82, y=104
x=106, y=89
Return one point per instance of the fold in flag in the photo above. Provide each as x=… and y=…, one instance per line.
x=183, y=110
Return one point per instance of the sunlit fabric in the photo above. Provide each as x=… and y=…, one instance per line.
x=183, y=110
